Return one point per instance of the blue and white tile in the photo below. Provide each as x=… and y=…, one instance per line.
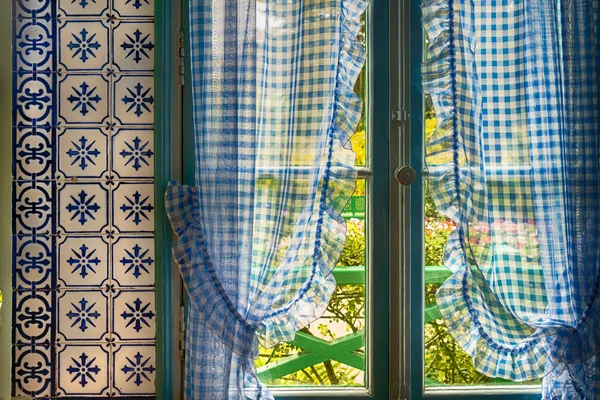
x=84, y=99
x=133, y=153
x=83, y=207
x=33, y=45
x=33, y=149
x=134, y=369
x=28, y=9
x=82, y=153
x=32, y=366
x=32, y=316
x=82, y=8
x=83, y=45
x=33, y=96
x=83, y=262
x=133, y=8
x=133, y=261
x=134, y=315
x=133, y=46
x=32, y=207
x=133, y=102
x=82, y=315
x=33, y=261
x=133, y=207
x=82, y=370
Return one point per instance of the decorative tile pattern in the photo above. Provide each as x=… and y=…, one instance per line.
x=133, y=261
x=83, y=262
x=134, y=100
x=82, y=370
x=133, y=153
x=83, y=153
x=134, y=369
x=83, y=45
x=84, y=321
x=133, y=207
x=32, y=367
x=133, y=46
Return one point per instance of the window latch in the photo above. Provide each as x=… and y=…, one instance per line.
x=400, y=116
x=405, y=175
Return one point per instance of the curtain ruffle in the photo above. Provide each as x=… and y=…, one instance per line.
x=502, y=342
x=473, y=314
x=339, y=176
x=199, y=276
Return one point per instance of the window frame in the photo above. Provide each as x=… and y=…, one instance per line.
x=416, y=251
x=167, y=139
x=396, y=246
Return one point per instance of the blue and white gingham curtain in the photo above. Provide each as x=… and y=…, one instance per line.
x=515, y=162
x=274, y=107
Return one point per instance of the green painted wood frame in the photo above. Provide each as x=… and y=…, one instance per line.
x=167, y=99
x=417, y=259
x=166, y=68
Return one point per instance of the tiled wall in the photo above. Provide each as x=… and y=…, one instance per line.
x=83, y=198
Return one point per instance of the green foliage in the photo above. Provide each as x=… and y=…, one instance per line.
x=345, y=314
x=445, y=362
x=354, y=252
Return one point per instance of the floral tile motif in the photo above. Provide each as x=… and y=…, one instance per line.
x=82, y=315
x=83, y=208
x=83, y=45
x=84, y=99
x=134, y=100
x=133, y=46
x=83, y=199
x=133, y=261
x=133, y=8
x=82, y=8
x=83, y=262
x=32, y=370
x=134, y=315
x=133, y=207
x=133, y=153
x=134, y=369
x=82, y=370
x=83, y=152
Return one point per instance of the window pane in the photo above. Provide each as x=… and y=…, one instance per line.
x=359, y=140
x=331, y=350
x=445, y=362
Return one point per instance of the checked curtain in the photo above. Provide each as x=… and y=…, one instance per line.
x=258, y=235
x=515, y=162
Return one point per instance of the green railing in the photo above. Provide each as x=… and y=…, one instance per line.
x=355, y=208
x=345, y=350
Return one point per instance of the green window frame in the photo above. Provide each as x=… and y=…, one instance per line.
x=396, y=124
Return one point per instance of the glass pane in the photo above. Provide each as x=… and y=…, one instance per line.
x=445, y=362
x=359, y=140
x=331, y=350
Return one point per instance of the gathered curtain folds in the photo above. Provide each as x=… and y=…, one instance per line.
x=515, y=163
x=259, y=234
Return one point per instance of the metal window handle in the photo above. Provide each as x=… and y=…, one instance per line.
x=405, y=175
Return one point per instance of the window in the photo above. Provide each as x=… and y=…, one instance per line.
x=381, y=337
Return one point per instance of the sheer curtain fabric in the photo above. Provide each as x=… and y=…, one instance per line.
x=515, y=162
x=258, y=235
